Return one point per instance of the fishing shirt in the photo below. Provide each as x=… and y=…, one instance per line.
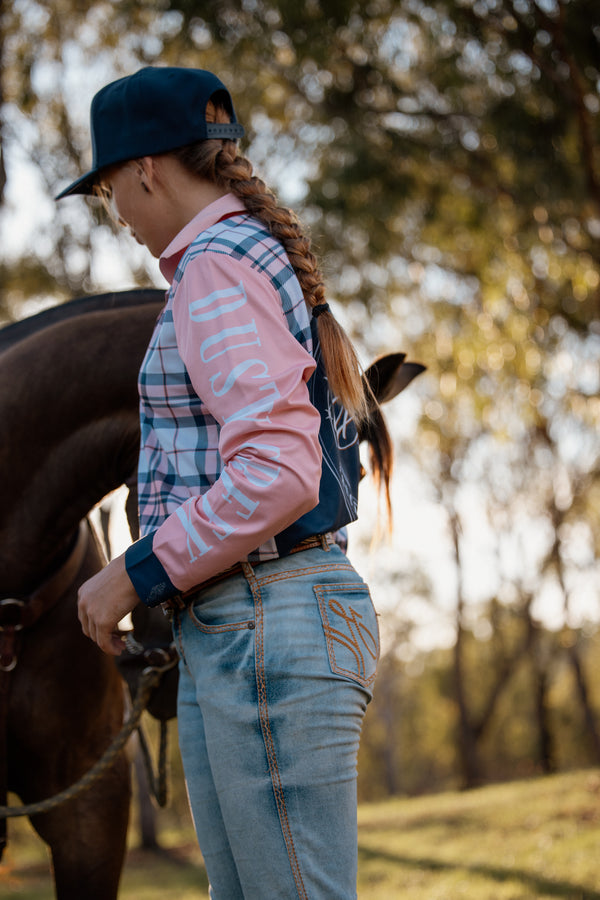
x=244, y=449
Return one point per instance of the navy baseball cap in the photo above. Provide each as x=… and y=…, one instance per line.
x=155, y=110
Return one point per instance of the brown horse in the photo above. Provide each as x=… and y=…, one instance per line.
x=69, y=410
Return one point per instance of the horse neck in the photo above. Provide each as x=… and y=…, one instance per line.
x=69, y=407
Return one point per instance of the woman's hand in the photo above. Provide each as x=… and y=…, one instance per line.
x=103, y=601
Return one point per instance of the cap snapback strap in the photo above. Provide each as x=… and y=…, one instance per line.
x=228, y=130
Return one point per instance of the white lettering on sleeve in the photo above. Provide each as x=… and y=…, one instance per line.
x=234, y=493
x=192, y=537
x=261, y=474
x=221, y=529
x=221, y=338
x=235, y=373
x=265, y=405
x=209, y=307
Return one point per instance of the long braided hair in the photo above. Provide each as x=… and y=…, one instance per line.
x=220, y=162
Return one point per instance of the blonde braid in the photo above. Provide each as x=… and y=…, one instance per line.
x=339, y=357
x=219, y=162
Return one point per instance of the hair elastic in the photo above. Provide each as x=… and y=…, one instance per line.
x=320, y=308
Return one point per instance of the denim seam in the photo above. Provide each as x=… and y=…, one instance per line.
x=178, y=633
x=217, y=629
x=288, y=574
x=268, y=737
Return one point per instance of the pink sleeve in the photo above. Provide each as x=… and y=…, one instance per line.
x=250, y=373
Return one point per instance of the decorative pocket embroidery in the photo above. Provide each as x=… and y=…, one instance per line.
x=351, y=630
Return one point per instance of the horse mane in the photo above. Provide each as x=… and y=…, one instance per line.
x=17, y=331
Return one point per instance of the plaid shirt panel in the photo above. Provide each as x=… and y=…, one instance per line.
x=179, y=455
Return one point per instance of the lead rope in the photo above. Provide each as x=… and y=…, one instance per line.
x=148, y=681
x=158, y=783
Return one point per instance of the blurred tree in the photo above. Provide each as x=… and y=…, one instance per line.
x=409, y=741
x=446, y=155
x=462, y=136
x=456, y=137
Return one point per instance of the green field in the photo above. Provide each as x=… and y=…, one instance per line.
x=528, y=840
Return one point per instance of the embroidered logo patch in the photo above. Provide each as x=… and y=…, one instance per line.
x=351, y=631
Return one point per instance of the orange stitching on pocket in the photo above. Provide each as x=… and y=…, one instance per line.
x=351, y=634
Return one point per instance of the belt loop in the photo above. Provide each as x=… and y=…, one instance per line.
x=249, y=573
x=172, y=606
x=325, y=540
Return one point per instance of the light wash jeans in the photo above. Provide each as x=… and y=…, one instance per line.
x=276, y=670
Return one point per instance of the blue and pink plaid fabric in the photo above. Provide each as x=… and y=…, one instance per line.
x=180, y=438
x=245, y=451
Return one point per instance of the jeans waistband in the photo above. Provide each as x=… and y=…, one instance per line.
x=183, y=600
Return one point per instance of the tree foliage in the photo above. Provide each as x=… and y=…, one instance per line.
x=446, y=155
x=410, y=743
x=457, y=134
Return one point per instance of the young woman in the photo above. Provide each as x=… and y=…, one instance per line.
x=249, y=397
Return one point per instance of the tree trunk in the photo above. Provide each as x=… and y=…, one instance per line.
x=467, y=738
x=146, y=809
x=545, y=741
x=584, y=698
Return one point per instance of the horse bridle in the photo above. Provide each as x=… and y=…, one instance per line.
x=18, y=613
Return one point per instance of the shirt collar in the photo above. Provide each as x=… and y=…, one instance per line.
x=169, y=259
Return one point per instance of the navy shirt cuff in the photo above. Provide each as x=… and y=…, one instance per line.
x=147, y=574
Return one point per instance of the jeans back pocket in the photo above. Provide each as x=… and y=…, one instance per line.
x=351, y=630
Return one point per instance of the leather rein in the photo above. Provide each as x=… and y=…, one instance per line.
x=17, y=614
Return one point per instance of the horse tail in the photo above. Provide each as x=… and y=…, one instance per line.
x=381, y=454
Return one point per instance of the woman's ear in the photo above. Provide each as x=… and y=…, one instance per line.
x=147, y=173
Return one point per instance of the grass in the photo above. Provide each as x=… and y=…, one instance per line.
x=529, y=840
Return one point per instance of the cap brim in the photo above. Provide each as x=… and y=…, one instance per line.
x=83, y=185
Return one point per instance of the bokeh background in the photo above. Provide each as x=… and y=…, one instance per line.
x=446, y=156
